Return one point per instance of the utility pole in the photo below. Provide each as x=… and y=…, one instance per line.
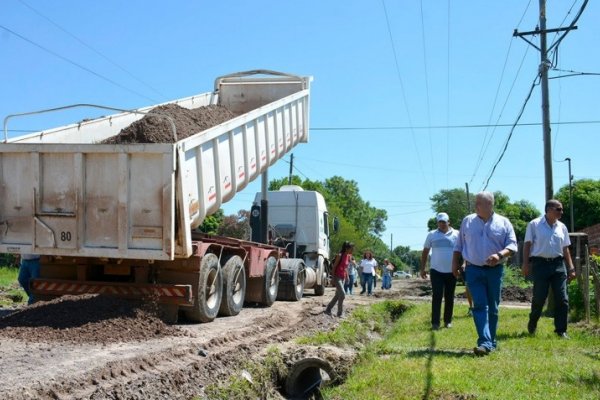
x=572, y=219
x=468, y=198
x=545, y=65
x=291, y=168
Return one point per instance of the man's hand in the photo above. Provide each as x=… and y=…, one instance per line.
x=455, y=271
x=525, y=270
x=571, y=274
x=493, y=260
x=423, y=274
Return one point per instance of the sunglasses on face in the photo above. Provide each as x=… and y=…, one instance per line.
x=559, y=209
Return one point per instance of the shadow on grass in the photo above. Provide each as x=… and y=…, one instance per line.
x=513, y=335
x=430, y=353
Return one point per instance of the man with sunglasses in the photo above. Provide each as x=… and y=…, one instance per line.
x=545, y=254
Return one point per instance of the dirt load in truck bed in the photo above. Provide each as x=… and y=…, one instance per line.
x=156, y=129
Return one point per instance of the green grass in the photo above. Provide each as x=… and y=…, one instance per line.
x=412, y=362
x=10, y=291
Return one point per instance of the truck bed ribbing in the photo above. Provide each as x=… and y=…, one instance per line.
x=63, y=194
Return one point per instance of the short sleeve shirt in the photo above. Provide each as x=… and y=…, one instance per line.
x=368, y=265
x=547, y=240
x=442, y=247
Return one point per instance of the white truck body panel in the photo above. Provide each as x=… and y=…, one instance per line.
x=61, y=194
x=305, y=212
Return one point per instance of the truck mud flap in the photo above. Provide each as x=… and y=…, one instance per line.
x=291, y=280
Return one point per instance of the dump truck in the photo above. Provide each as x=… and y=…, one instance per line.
x=121, y=219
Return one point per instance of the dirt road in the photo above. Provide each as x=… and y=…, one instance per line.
x=104, y=356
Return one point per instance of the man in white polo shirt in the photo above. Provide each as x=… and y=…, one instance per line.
x=547, y=251
x=443, y=283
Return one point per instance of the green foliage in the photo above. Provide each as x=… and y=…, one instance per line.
x=410, y=258
x=576, y=301
x=358, y=326
x=211, y=223
x=360, y=223
x=514, y=277
x=236, y=226
x=8, y=260
x=586, y=203
x=413, y=362
x=10, y=291
x=261, y=383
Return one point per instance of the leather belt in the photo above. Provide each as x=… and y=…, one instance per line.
x=547, y=259
x=482, y=266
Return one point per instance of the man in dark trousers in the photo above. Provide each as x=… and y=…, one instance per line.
x=545, y=253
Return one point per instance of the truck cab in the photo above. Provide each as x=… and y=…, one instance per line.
x=298, y=221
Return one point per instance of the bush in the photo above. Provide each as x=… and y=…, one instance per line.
x=513, y=277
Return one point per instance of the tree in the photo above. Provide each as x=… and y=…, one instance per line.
x=586, y=203
x=236, y=226
x=211, y=223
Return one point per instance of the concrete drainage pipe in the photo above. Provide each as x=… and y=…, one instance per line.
x=306, y=375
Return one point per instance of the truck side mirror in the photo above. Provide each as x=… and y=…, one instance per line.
x=336, y=225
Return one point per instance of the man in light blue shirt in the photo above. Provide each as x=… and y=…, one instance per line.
x=485, y=239
x=547, y=248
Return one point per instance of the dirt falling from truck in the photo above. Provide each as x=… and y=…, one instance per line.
x=157, y=129
x=83, y=319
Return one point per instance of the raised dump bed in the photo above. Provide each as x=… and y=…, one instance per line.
x=63, y=192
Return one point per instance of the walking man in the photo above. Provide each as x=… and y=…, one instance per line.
x=29, y=269
x=443, y=282
x=545, y=254
x=484, y=241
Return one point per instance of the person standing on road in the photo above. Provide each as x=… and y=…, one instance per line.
x=349, y=283
x=547, y=249
x=485, y=240
x=29, y=269
x=340, y=274
x=443, y=283
x=386, y=274
x=368, y=264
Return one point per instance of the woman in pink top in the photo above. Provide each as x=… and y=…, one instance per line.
x=340, y=274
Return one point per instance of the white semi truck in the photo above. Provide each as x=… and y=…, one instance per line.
x=298, y=221
x=120, y=219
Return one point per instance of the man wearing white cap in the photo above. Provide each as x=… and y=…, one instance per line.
x=443, y=283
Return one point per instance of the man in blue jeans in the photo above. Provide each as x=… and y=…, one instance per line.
x=485, y=240
x=29, y=269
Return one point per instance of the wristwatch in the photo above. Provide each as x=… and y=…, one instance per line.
x=500, y=255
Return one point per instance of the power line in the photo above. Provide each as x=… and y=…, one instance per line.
x=484, y=144
x=397, y=65
x=533, y=85
x=76, y=64
x=427, y=90
x=92, y=49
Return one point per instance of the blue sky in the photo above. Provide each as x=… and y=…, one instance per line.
x=414, y=76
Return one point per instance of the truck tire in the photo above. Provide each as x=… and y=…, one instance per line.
x=234, y=286
x=291, y=280
x=320, y=289
x=210, y=287
x=321, y=269
x=271, y=283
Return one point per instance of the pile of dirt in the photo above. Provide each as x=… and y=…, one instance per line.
x=517, y=294
x=157, y=129
x=88, y=318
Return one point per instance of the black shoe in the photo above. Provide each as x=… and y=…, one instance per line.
x=435, y=327
x=327, y=312
x=481, y=351
x=562, y=335
x=531, y=327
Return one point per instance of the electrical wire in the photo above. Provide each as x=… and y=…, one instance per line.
x=92, y=49
x=427, y=92
x=533, y=85
x=484, y=144
x=96, y=74
x=397, y=65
